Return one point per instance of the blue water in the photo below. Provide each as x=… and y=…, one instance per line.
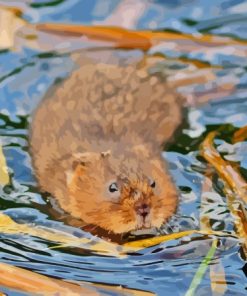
x=166, y=269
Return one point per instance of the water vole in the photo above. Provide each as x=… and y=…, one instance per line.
x=96, y=145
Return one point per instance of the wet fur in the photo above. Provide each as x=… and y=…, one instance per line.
x=106, y=122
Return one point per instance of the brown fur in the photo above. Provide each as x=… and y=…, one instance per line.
x=106, y=123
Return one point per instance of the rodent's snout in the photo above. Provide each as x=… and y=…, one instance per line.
x=142, y=209
x=142, y=205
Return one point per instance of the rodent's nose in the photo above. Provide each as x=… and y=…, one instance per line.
x=142, y=210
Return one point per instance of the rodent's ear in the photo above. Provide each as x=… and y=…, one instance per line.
x=105, y=154
x=83, y=159
x=79, y=162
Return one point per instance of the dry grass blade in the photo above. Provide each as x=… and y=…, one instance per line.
x=150, y=242
x=121, y=291
x=216, y=270
x=224, y=168
x=4, y=176
x=20, y=279
x=10, y=23
x=23, y=280
x=124, y=38
x=218, y=278
x=240, y=135
x=235, y=187
x=8, y=226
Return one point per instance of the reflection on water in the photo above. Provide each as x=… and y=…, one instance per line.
x=26, y=76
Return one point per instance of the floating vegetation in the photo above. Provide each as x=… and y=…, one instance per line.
x=204, y=245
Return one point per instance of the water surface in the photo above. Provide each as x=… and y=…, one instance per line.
x=166, y=269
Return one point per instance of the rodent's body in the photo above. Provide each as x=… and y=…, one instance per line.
x=106, y=125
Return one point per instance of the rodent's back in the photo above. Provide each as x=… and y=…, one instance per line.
x=101, y=104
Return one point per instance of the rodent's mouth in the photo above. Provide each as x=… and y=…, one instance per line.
x=145, y=226
x=143, y=222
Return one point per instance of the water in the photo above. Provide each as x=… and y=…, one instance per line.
x=166, y=269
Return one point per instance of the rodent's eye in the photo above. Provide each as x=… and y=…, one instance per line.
x=152, y=183
x=113, y=187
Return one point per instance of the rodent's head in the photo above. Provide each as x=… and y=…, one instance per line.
x=121, y=194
